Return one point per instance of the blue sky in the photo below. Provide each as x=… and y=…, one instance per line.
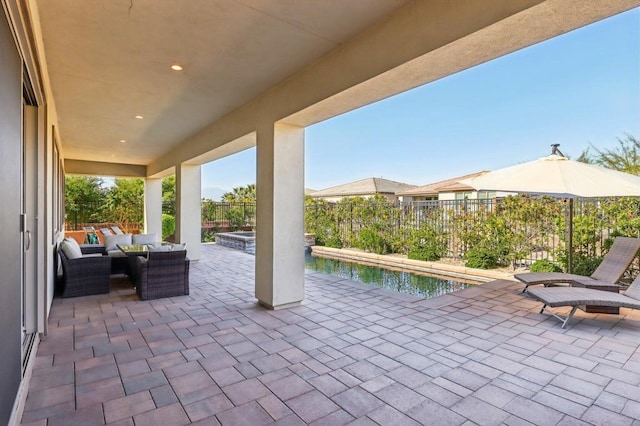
x=580, y=88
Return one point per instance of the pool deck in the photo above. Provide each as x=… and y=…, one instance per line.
x=349, y=354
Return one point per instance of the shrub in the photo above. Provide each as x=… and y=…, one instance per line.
x=545, y=265
x=425, y=252
x=480, y=257
x=333, y=241
x=236, y=218
x=427, y=244
x=371, y=239
x=207, y=235
x=583, y=265
x=168, y=225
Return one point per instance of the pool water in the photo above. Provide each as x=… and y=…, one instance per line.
x=400, y=281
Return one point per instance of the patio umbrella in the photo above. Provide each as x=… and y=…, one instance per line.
x=558, y=176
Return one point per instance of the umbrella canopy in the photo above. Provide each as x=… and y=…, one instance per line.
x=558, y=176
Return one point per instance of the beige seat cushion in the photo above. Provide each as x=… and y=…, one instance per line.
x=71, y=248
x=111, y=241
x=144, y=238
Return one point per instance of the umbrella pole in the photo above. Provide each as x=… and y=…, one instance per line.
x=570, y=238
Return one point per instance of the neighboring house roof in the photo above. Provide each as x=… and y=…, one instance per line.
x=309, y=191
x=364, y=187
x=442, y=186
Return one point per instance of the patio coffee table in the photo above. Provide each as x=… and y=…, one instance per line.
x=598, y=285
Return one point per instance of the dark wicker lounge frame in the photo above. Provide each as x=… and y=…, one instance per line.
x=86, y=275
x=612, y=268
x=163, y=274
x=578, y=296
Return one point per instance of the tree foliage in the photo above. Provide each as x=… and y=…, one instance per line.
x=125, y=202
x=83, y=189
x=169, y=195
x=240, y=194
x=241, y=211
x=624, y=158
x=84, y=196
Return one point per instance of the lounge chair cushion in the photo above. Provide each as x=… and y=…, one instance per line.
x=71, y=248
x=111, y=241
x=574, y=296
x=580, y=296
x=633, y=291
x=144, y=238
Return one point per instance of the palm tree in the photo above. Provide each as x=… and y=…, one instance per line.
x=240, y=194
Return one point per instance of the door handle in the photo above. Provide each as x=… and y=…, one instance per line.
x=28, y=241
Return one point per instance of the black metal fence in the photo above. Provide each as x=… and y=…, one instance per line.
x=228, y=216
x=530, y=229
x=215, y=216
x=525, y=229
x=101, y=215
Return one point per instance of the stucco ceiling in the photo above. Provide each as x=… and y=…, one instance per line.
x=109, y=61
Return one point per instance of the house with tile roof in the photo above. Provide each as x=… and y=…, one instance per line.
x=363, y=188
x=448, y=189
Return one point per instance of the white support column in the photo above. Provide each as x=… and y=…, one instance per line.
x=153, y=207
x=188, y=208
x=279, y=278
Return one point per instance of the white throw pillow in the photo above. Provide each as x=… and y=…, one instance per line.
x=144, y=239
x=111, y=241
x=70, y=248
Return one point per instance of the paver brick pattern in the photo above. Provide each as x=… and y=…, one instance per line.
x=349, y=354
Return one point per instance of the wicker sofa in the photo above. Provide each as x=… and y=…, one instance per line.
x=84, y=274
x=162, y=274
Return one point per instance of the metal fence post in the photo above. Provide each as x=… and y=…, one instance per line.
x=570, y=237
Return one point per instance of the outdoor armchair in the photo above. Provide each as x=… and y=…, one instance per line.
x=85, y=274
x=613, y=266
x=579, y=296
x=162, y=274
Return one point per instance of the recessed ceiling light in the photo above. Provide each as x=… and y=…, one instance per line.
x=176, y=67
x=139, y=117
x=123, y=141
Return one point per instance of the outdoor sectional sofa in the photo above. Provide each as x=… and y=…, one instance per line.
x=120, y=263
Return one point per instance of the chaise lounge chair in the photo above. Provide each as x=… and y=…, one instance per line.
x=613, y=266
x=578, y=296
x=116, y=229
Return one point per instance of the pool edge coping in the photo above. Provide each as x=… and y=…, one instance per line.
x=413, y=265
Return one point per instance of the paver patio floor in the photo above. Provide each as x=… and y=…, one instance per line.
x=350, y=354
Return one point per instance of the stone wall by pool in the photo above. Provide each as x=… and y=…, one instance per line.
x=245, y=241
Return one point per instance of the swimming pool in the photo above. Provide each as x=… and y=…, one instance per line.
x=400, y=281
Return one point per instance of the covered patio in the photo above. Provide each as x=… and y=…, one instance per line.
x=350, y=353
x=150, y=89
